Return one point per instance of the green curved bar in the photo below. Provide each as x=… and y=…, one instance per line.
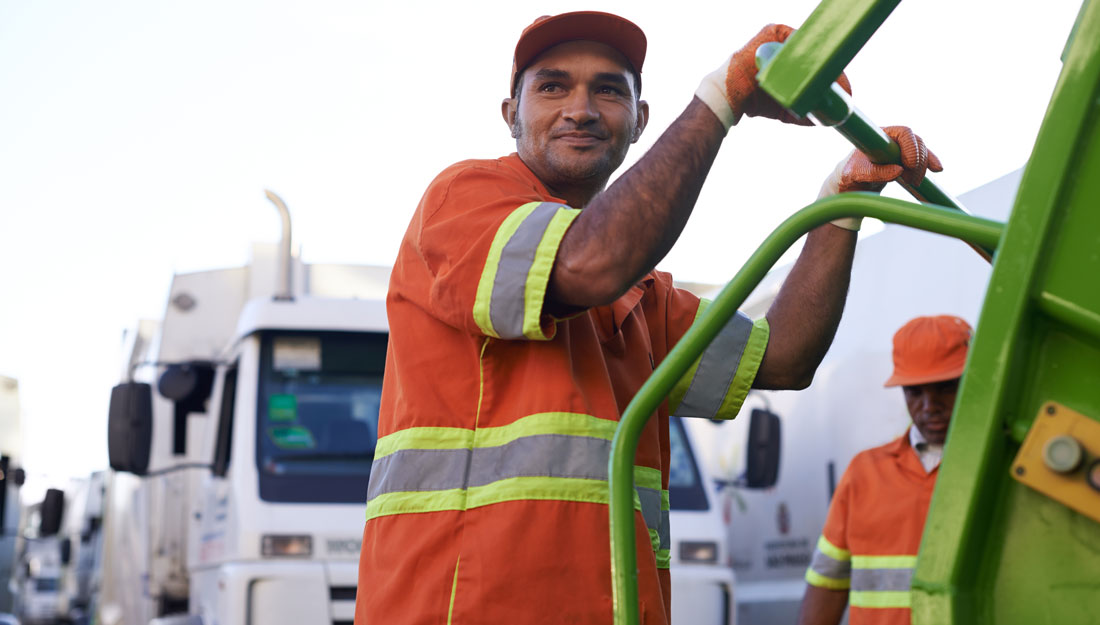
x=624, y=562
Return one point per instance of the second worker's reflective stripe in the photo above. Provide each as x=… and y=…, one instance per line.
x=881, y=581
x=831, y=566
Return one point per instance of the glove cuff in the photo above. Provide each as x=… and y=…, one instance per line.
x=712, y=91
x=831, y=187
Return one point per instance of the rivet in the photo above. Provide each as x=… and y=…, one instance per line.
x=1020, y=470
x=1051, y=409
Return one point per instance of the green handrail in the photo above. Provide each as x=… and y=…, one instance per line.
x=624, y=563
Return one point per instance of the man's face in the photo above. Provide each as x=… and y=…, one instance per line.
x=576, y=114
x=930, y=407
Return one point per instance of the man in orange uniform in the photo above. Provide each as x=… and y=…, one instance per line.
x=868, y=548
x=522, y=325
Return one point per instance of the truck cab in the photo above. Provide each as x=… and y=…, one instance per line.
x=241, y=441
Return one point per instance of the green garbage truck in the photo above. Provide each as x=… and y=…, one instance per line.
x=1013, y=531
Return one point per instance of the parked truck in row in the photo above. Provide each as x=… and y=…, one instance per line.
x=241, y=439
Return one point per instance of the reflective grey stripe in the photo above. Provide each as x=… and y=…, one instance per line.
x=506, y=306
x=417, y=470
x=716, y=369
x=651, y=506
x=830, y=567
x=663, y=530
x=881, y=579
x=543, y=455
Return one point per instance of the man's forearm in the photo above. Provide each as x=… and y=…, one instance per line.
x=807, y=310
x=822, y=606
x=628, y=228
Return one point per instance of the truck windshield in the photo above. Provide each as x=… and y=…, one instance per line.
x=317, y=416
x=685, y=489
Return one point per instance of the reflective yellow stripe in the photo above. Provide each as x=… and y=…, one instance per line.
x=746, y=370
x=539, y=488
x=489, y=273
x=664, y=558
x=879, y=599
x=646, y=477
x=832, y=550
x=424, y=438
x=565, y=423
x=884, y=562
x=816, y=579
x=534, y=291
x=416, y=501
x=511, y=489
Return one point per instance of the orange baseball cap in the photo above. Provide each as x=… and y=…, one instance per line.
x=930, y=349
x=550, y=30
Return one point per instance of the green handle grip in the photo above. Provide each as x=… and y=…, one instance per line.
x=834, y=108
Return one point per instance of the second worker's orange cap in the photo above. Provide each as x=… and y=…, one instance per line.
x=930, y=349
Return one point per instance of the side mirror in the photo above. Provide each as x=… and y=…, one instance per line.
x=188, y=385
x=53, y=506
x=130, y=427
x=762, y=462
x=66, y=549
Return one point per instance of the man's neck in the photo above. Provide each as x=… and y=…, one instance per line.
x=576, y=196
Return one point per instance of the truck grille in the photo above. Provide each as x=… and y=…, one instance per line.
x=342, y=601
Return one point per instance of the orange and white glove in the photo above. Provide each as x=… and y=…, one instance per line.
x=857, y=173
x=731, y=90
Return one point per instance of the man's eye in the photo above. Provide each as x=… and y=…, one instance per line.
x=611, y=90
x=550, y=87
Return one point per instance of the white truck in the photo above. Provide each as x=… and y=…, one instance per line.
x=898, y=274
x=36, y=581
x=11, y=478
x=239, y=483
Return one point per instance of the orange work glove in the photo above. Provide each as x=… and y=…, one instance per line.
x=731, y=90
x=857, y=173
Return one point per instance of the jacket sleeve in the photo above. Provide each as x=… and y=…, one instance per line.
x=488, y=243
x=831, y=566
x=717, y=383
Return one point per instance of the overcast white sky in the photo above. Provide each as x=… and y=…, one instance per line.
x=136, y=139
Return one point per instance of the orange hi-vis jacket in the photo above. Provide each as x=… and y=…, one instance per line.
x=872, y=533
x=488, y=494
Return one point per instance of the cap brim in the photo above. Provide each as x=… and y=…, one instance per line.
x=926, y=378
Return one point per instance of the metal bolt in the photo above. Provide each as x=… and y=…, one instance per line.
x=1020, y=470
x=1051, y=409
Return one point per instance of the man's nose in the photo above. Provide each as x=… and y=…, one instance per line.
x=580, y=107
x=930, y=401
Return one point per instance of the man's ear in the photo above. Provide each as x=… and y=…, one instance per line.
x=508, y=112
x=641, y=122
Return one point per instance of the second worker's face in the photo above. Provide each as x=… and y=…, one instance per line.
x=577, y=113
x=930, y=407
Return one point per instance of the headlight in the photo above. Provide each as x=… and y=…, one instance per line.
x=703, y=552
x=286, y=546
